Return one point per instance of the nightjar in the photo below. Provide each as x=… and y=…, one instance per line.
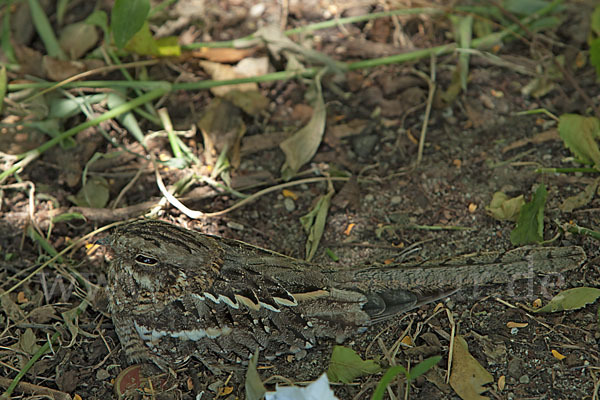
x=175, y=293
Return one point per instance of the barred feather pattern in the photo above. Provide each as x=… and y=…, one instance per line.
x=175, y=293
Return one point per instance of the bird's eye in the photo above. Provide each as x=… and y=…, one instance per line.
x=142, y=259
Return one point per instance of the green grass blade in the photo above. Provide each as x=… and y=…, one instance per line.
x=44, y=29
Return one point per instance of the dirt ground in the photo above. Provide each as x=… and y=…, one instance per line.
x=475, y=146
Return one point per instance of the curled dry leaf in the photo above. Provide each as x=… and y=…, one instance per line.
x=503, y=207
x=512, y=324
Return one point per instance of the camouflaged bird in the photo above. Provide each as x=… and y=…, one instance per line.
x=175, y=293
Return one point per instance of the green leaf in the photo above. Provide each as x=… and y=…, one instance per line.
x=100, y=19
x=414, y=373
x=5, y=38
x=67, y=217
x=332, y=255
x=595, y=55
x=168, y=46
x=463, y=33
x=314, y=224
x=346, y=365
x=423, y=367
x=44, y=30
x=143, y=43
x=43, y=243
x=127, y=18
x=3, y=85
x=255, y=389
x=579, y=134
x=389, y=375
x=128, y=119
x=595, y=21
x=62, y=108
x=94, y=193
x=61, y=8
x=571, y=299
x=530, y=225
x=524, y=7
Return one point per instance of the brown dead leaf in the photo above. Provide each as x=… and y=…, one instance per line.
x=349, y=196
x=468, y=377
x=77, y=39
x=22, y=298
x=581, y=199
x=252, y=66
x=302, y=145
x=501, y=383
x=12, y=310
x=223, y=55
x=222, y=129
x=225, y=72
x=512, y=324
x=27, y=342
x=495, y=350
x=67, y=380
x=363, y=48
x=541, y=137
x=381, y=30
x=335, y=133
x=42, y=315
x=59, y=70
x=301, y=113
x=263, y=141
x=436, y=376
x=30, y=61
x=251, y=101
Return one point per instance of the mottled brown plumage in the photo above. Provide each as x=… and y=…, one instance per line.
x=175, y=293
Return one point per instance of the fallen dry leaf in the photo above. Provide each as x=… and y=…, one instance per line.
x=502, y=382
x=225, y=72
x=468, y=377
x=512, y=324
x=222, y=55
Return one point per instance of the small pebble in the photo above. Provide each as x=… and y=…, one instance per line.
x=300, y=355
x=396, y=200
x=102, y=374
x=289, y=204
x=364, y=144
x=524, y=379
x=214, y=387
x=369, y=198
x=514, y=368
